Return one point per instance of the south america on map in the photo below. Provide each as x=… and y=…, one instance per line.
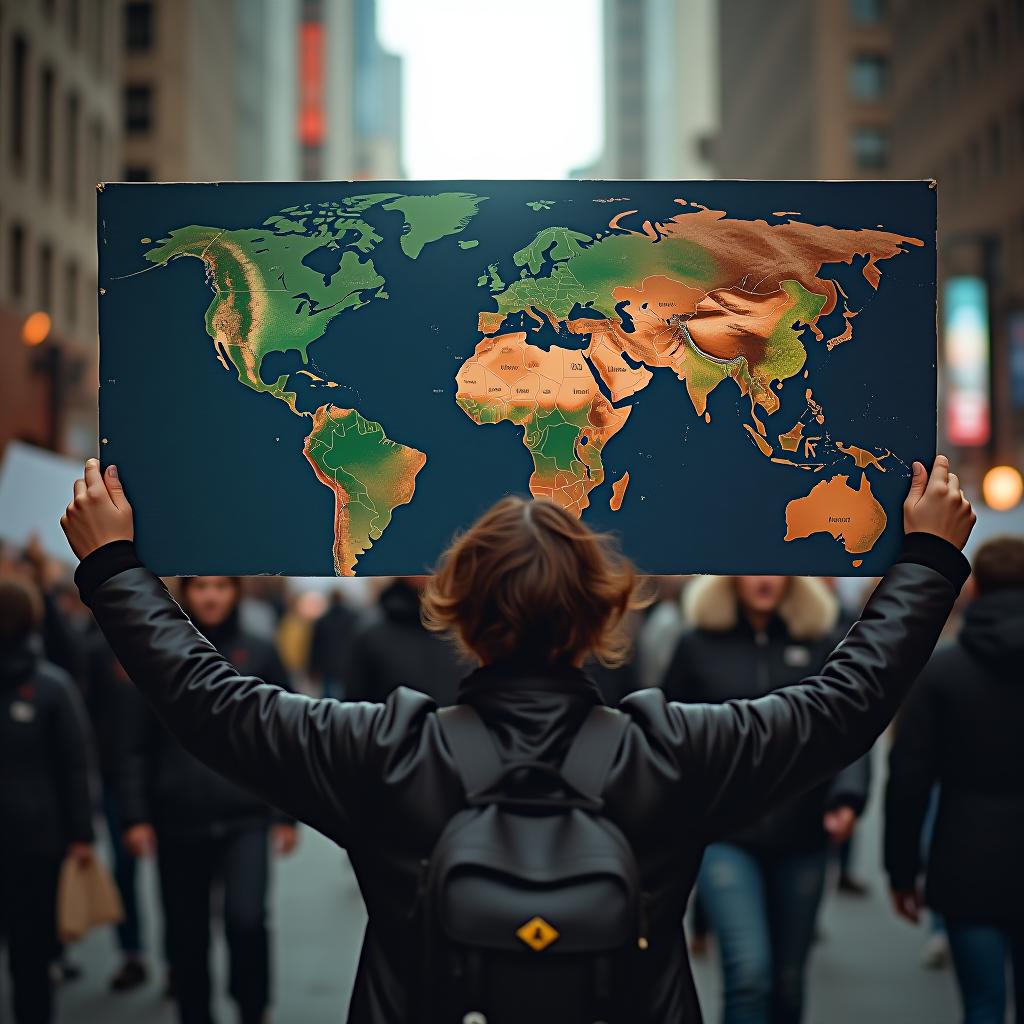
x=334, y=378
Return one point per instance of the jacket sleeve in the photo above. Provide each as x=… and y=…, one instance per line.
x=913, y=772
x=740, y=758
x=72, y=742
x=307, y=757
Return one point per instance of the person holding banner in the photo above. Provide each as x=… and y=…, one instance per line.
x=531, y=592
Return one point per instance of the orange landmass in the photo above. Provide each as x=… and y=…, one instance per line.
x=618, y=492
x=489, y=322
x=507, y=369
x=850, y=515
x=790, y=441
x=766, y=448
x=621, y=379
x=862, y=458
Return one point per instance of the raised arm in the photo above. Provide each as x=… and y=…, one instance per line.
x=737, y=759
x=303, y=756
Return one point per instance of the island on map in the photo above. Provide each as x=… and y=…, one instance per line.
x=852, y=516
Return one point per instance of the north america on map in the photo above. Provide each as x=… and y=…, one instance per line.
x=598, y=336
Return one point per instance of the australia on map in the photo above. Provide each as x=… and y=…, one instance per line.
x=334, y=378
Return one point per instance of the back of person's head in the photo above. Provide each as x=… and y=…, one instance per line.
x=999, y=565
x=21, y=611
x=529, y=581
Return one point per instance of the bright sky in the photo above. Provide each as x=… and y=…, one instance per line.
x=497, y=89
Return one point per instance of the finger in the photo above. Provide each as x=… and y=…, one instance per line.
x=80, y=488
x=92, y=473
x=918, y=481
x=940, y=471
x=114, y=488
x=954, y=486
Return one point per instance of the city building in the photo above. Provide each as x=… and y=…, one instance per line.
x=350, y=105
x=803, y=89
x=196, y=109
x=59, y=136
x=957, y=101
x=660, y=89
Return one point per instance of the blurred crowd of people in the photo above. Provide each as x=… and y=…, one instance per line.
x=79, y=747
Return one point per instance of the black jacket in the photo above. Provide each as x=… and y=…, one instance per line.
x=380, y=780
x=961, y=728
x=44, y=759
x=716, y=665
x=394, y=648
x=162, y=784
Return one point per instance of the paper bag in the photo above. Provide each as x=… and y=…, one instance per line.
x=86, y=898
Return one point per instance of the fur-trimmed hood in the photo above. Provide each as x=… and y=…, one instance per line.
x=810, y=610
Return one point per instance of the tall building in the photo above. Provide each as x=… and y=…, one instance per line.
x=660, y=89
x=958, y=115
x=802, y=89
x=59, y=136
x=681, y=88
x=209, y=90
x=350, y=93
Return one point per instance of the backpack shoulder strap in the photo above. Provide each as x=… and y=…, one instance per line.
x=590, y=757
x=475, y=753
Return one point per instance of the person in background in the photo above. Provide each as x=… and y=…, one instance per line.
x=393, y=648
x=961, y=728
x=330, y=653
x=207, y=832
x=45, y=807
x=112, y=702
x=762, y=886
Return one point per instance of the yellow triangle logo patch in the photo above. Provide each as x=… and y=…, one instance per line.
x=537, y=934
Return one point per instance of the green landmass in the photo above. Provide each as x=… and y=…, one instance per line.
x=541, y=204
x=429, y=218
x=469, y=243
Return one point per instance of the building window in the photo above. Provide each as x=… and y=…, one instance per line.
x=138, y=26
x=19, y=99
x=45, y=283
x=16, y=261
x=137, y=172
x=71, y=292
x=138, y=109
x=870, y=147
x=47, y=99
x=867, y=76
x=71, y=147
x=867, y=12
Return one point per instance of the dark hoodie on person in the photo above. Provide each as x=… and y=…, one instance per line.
x=961, y=728
x=44, y=759
x=394, y=649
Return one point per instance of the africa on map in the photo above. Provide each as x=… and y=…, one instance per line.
x=333, y=378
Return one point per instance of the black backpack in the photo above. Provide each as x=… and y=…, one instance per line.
x=530, y=906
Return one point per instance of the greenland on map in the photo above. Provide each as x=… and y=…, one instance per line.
x=334, y=378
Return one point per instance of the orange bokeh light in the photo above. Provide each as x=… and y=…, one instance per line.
x=1002, y=488
x=36, y=328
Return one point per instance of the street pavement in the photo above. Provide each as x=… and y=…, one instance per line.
x=865, y=968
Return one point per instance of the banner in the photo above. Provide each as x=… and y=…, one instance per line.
x=332, y=378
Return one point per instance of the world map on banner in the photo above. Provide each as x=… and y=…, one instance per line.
x=333, y=378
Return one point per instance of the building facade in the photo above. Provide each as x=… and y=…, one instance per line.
x=958, y=116
x=59, y=137
x=803, y=88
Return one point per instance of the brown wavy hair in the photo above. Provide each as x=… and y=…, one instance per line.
x=530, y=581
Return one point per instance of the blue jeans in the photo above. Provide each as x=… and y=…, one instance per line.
x=762, y=908
x=980, y=953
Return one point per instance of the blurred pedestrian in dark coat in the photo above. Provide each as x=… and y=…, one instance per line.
x=961, y=729
x=45, y=806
